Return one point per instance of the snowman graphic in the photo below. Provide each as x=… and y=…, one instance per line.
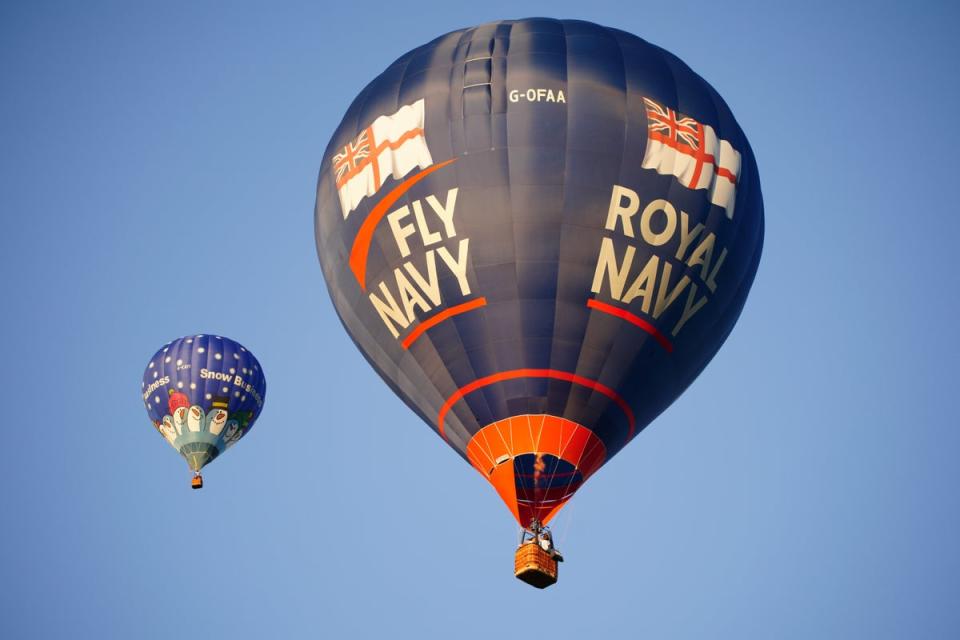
x=176, y=400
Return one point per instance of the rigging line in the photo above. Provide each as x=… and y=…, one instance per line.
x=522, y=487
x=502, y=439
x=576, y=466
x=558, y=458
x=538, y=458
x=489, y=449
x=583, y=452
x=529, y=493
x=563, y=449
x=493, y=461
x=485, y=451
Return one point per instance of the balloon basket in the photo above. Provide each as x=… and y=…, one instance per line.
x=534, y=566
x=197, y=482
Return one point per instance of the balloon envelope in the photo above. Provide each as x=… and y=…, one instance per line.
x=538, y=232
x=203, y=393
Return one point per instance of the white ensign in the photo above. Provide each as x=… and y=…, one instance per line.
x=680, y=146
x=393, y=145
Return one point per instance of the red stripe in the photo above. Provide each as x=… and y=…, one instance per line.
x=361, y=244
x=726, y=173
x=536, y=373
x=682, y=147
x=440, y=317
x=700, y=156
x=688, y=151
x=623, y=314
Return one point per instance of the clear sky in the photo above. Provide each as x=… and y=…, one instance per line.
x=157, y=178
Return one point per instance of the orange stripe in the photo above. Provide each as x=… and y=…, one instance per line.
x=535, y=373
x=377, y=150
x=623, y=314
x=361, y=244
x=433, y=321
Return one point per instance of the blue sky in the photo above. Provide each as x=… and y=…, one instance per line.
x=157, y=178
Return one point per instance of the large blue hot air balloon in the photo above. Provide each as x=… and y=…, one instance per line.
x=538, y=232
x=203, y=393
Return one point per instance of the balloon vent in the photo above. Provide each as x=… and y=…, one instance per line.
x=534, y=566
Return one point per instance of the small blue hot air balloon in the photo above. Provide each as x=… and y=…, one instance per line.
x=203, y=393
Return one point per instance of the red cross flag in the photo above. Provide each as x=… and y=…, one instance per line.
x=392, y=146
x=680, y=146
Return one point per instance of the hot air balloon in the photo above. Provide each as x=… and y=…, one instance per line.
x=538, y=232
x=203, y=393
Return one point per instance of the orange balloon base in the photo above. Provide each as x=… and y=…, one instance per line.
x=535, y=462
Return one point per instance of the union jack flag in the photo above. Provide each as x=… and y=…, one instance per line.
x=391, y=146
x=693, y=153
x=673, y=127
x=351, y=157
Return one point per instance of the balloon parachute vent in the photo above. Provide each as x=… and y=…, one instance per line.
x=197, y=482
x=535, y=566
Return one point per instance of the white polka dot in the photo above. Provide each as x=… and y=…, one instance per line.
x=156, y=399
x=243, y=398
x=244, y=369
x=180, y=385
x=151, y=366
x=232, y=370
x=179, y=362
x=236, y=394
x=226, y=390
x=193, y=385
x=199, y=335
x=200, y=350
x=208, y=396
x=236, y=356
x=242, y=349
x=189, y=340
x=168, y=358
x=154, y=374
x=165, y=349
x=217, y=356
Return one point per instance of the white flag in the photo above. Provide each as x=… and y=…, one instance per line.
x=393, y=145
x=680, y=146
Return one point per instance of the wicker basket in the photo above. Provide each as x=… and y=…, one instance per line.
x=534, y=566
